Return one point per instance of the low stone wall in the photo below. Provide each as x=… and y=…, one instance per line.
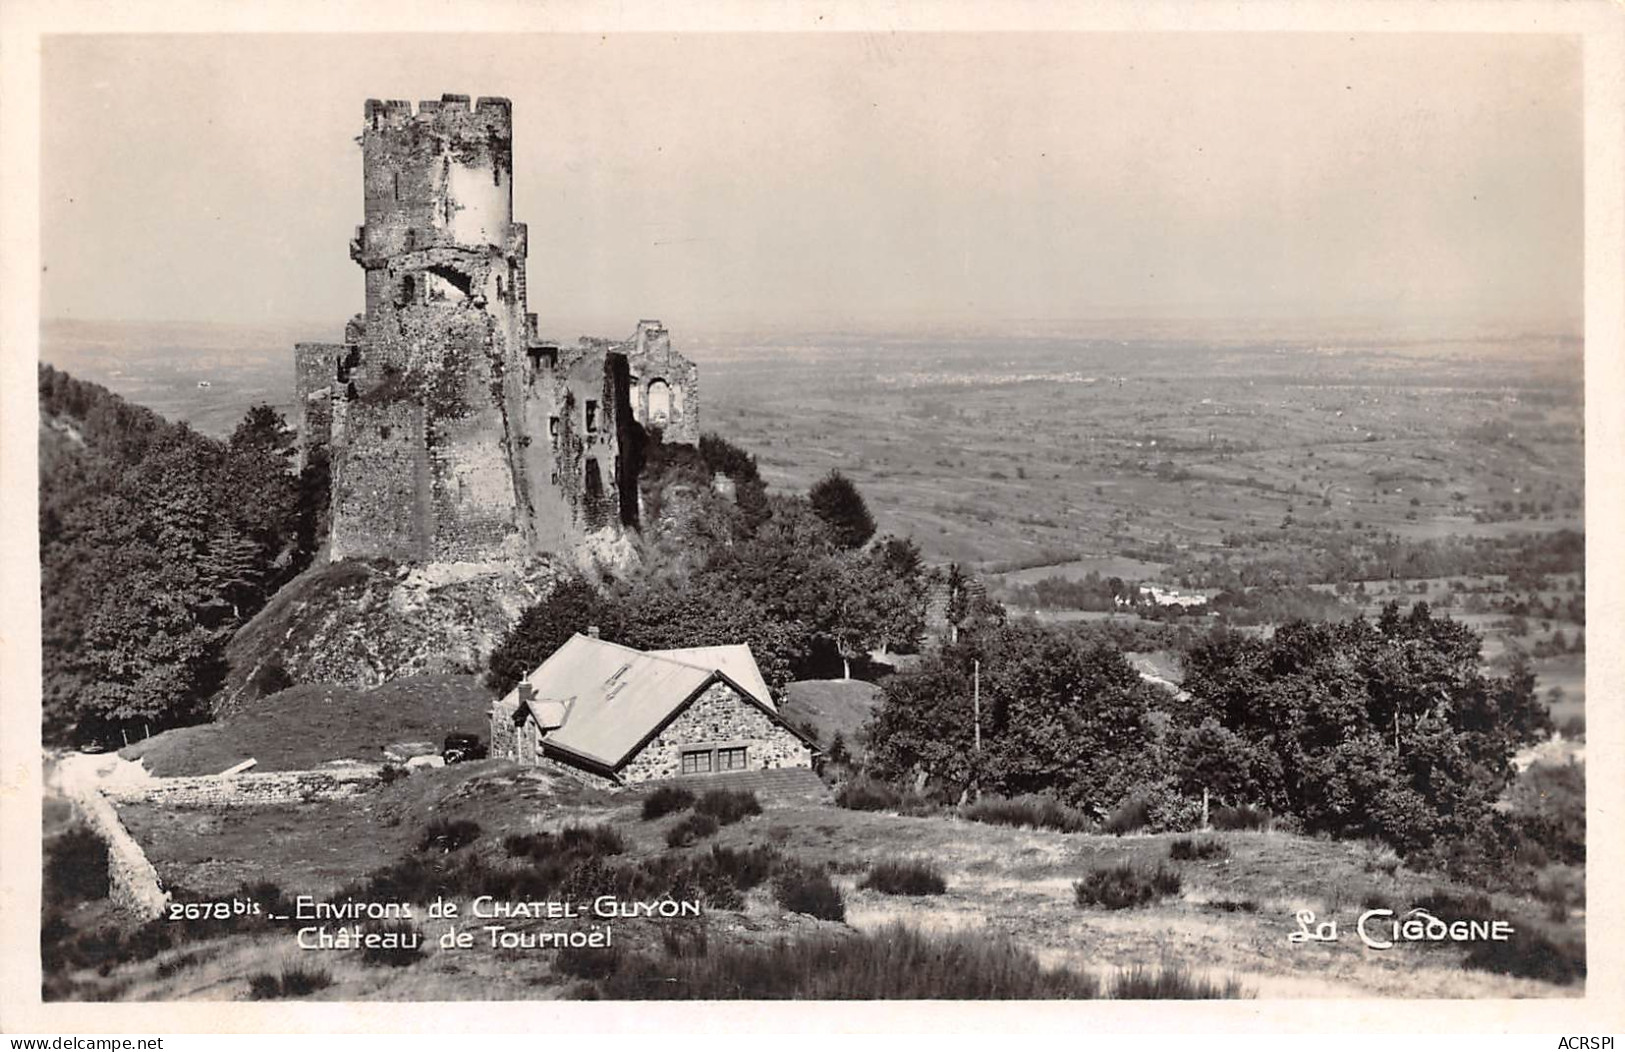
x=252, y=788
x=132, y=881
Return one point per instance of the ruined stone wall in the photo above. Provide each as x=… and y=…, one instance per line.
x=665, y=385
x=380, y=486
x=574, y=436
x=718, y=718
x=132, y=881
x=251, y=789
x=506, y=461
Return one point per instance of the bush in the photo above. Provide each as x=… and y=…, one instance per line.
x=1124, y=886
x=1245, y=817
x=894, y=963
x=1130, y=816
x=805, y=889
x=728, y=806
x=666, y=800
x=587, y=962
x=744, y=869
x=392, y=773
x=1187, y=849
x=408, y=950
x=448, y=835
x=868, y=794
x=1035, y=811
x=572, y=843
x=297, y=981
x=905, y=878
x=694, y=827
x=75, y=867
x=1530, y=955
x=1141, y=983
x=1232, y=906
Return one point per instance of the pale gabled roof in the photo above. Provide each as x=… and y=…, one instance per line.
x=735, y=661
x=616, y=697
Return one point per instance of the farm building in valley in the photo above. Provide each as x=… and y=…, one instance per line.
x=620, y=715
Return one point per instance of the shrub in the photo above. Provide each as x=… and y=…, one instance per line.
x=571, y=843
x=1449, y=906
x=1141, y=983
x=298, y=981
x=1231, y=906
x=665, y=800
x=1244, y=817
x=1125, y=886
x=392, y=773
x=894, y=963
x=1187, y=849
x=868, y=794
x=694, y=827
x=745, y=869
x=728, y=806
x=805, y=889
x=1130, y=816
x=1035, y=811
x=1529, y=954
x=408, y=950
x=905, y=878
x=75, y=867
x=587, y=962
x=448, y=835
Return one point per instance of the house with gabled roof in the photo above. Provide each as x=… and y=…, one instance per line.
x=621, y=716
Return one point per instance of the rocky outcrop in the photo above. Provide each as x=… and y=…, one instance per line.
x=359, y=624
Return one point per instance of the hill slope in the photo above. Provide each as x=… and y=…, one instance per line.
x=305, y=726
x=360, y=624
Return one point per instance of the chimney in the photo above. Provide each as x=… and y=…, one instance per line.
x=527, y=694
x=592, y=630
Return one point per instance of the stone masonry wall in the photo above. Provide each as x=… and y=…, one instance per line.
x=719, y=718
x=133, y=882
x=251, y=789
x=380, y=485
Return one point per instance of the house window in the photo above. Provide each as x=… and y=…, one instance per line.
x=697, y=761
x=731, y=759
x=595, y=482
x=592, y=417
x=553, y=426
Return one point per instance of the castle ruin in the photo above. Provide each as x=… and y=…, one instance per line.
x=454, y=433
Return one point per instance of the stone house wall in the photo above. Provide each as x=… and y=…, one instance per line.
x=718, y=718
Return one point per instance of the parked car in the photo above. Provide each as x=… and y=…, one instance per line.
x=460, y=747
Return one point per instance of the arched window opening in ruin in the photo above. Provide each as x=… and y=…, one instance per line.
x=408, y=292
x=595, y=482
x=500, y=293
x=659, y=401
x=592, y=417
x=395, y=187
x=449, y=278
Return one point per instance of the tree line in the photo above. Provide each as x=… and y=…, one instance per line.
x=801, y=578
x=1385, y=728
x=156, y=543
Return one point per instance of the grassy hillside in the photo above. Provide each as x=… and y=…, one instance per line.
x=305, y=726
x=1228, y=919
x=832, y=706
x=360, y=624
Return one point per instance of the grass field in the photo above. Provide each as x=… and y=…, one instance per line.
x=308, y=725
x=1231, y=918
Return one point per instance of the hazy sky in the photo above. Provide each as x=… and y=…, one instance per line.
x=828, y=180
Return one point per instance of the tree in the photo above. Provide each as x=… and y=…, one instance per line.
x=1058, y=716
x=573, y=606
x=838, y=503
x=1387, y=729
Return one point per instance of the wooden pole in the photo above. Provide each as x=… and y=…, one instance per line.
x=976, y=701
